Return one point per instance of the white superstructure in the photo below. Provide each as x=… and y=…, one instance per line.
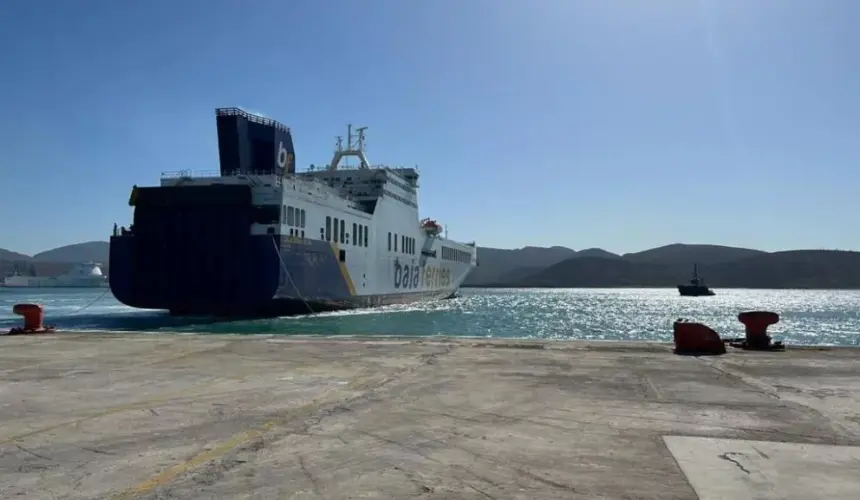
x=84, y=275
x=369, y=216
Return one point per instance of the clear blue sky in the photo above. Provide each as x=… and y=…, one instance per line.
x=618, y=124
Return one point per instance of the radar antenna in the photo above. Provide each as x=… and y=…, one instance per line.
x=352, y=148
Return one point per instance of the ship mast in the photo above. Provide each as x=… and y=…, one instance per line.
x=353, y=148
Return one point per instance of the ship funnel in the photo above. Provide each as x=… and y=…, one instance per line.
x=250, y=144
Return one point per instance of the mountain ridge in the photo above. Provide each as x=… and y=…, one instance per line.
x=558, y=266
x=56, y=260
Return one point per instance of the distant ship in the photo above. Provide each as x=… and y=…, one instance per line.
x=696, y=287
x=85, y=275
x=260, y=238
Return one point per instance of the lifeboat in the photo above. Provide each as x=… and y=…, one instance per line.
x=431, y=226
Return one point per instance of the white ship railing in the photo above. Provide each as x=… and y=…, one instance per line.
x=250, y=176
x=379, y=166
x=204, y=174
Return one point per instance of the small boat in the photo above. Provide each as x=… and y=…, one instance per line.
x=696, y=287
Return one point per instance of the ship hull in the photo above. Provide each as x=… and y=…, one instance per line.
x=694, y=291
x=255, y=275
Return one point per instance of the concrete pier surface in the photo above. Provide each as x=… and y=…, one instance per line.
x=100, y=416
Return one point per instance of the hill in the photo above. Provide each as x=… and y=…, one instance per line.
x=97, y=251
x=682, y=254
x=665, y=266
x=496, y=263
x=55, y=261
x=793, y=269
x=10, y=255
x=597, y=252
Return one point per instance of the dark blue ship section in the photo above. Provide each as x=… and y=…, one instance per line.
x=250, y=144
x=190, y=251
x=315, y=272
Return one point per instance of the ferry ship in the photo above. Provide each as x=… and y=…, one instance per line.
x=259, y=238
x=84, y=275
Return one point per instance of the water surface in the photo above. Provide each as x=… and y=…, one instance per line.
x=808, y=317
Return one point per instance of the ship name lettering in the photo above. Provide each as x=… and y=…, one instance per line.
x=415, y=276
x=284, y=156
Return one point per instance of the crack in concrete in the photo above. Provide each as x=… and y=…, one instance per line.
x=725, y=456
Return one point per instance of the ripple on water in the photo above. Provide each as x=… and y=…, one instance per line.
x=821, y=317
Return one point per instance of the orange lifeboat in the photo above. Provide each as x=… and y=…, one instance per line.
x=34, y=319
x=431, y=226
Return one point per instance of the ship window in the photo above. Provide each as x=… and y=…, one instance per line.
x=335, y=230
x=365, y=235
x=342, y=230
x=303, y=234
x=290, y=216
x=328, y=228
x=403, y=243
x=354, y=234
x=302, y=213
x=342, y=255
x=395, y=242
x=360, y=235
x=291, y=233
x=389, y=242
x=347, y=239
x=267, y=214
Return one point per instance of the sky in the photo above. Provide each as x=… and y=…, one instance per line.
x=617, y=124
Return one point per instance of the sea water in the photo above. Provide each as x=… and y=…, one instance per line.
x=809, y=317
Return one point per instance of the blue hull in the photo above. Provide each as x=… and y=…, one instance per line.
x=235, y=275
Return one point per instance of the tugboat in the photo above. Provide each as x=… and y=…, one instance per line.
x=696, y=287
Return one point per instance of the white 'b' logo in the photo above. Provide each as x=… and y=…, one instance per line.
x=283, y=155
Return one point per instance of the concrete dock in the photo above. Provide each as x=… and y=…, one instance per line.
x=100, y=416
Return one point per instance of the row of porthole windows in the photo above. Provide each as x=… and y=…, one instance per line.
x=294, y=217
x=335, y=230
x=456, y=255
x=407, y=244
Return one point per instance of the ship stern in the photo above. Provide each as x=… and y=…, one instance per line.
x=191, y=251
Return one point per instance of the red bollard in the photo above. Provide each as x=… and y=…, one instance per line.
x=756, y=323
x=696, y=338
x=34, y=319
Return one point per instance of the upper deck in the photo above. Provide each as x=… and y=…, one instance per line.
x=360, y=185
